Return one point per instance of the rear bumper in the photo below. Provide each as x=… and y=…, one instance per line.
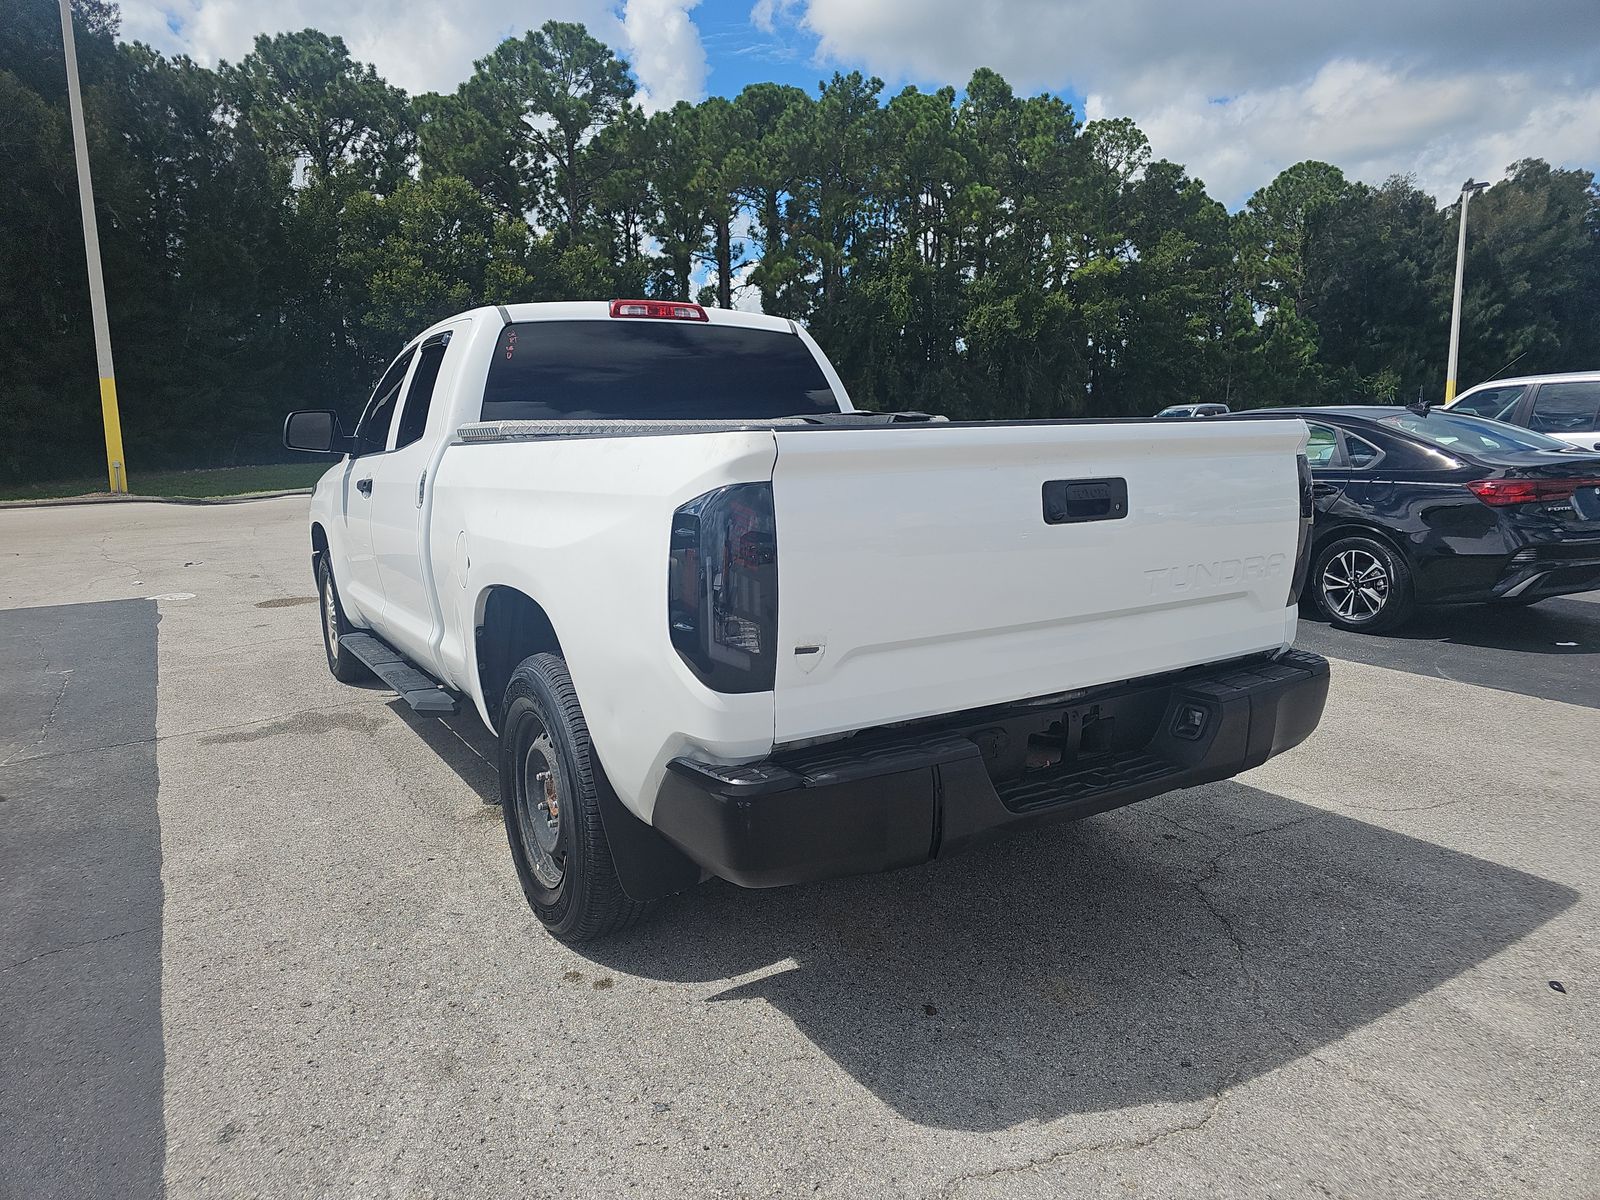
x=891, y=799
x=1557, y=569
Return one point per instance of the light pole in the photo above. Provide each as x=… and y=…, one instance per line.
x=1467, y=189
x=116, y=465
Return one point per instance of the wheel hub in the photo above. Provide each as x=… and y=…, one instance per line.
x=539, y=811
x=330, y=617
x=1355, y=584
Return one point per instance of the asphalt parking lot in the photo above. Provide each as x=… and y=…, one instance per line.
x=260, y=936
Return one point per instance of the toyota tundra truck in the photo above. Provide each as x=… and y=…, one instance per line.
x=721, y=623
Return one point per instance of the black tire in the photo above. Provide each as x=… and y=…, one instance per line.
x=563, y=860
x=1361, y=584
x=346, y=668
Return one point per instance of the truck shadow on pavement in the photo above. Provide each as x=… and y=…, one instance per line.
x=1157, y=954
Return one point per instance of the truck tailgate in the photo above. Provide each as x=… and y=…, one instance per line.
x=937, y=568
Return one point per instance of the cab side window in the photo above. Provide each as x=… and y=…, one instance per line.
x=1566, y=408
x=1323, y=448
x=372, y=431
x=1494, y=403
x=419, y=396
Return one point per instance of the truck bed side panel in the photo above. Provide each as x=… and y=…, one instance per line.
x=582, y=526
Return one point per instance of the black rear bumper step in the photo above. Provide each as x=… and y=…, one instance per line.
x=420, y=690
x=874, y=803
x=1112, y=773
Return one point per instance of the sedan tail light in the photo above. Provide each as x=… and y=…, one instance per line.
x=1501, y=492
x=722, y=588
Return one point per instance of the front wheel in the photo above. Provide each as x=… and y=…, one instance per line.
x=548, y=794
x=1362, y=585
x=346, y=667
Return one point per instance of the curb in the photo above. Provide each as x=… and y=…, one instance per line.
x=107, y=498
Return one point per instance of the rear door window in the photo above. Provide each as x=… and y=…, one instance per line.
x=1360, y=453
x=1494, y=403
x=1567, y=408
x=1322, y=451
x=419, y=396
x=620, y=369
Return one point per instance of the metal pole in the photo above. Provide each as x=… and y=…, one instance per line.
x=1467, y=189
x=116, y=469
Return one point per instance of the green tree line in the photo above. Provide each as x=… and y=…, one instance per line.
x=274, y=228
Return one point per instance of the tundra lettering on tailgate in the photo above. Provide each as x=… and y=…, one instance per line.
x=1218, y=573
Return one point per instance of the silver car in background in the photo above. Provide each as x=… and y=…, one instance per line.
x=1558, y=406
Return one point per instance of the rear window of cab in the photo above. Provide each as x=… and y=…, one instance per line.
x=617, y=370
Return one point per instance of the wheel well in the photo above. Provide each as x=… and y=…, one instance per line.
x=1367, y=531
x=512, y=627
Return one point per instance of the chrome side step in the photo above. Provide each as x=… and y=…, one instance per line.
x=420, y=690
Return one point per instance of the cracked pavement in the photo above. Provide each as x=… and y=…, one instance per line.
x=264, y=939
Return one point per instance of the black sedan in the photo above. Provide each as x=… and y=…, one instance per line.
x=1432, y=507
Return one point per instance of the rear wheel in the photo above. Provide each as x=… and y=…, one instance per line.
x=548, y=793
x=1361, y=584
x=345, y=666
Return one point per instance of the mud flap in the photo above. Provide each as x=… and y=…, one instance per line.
x=648, y=866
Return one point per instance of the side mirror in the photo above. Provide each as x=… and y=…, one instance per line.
x=315, y=431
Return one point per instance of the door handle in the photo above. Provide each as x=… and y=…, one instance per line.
x=1324, y=489
x=364, y=486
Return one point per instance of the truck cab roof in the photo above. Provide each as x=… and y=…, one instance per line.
x=598, y=310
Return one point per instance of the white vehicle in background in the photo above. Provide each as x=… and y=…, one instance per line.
x=1559, y=406
x=724, y=624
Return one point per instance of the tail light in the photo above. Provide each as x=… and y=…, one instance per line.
x=722, y=588
x=660, y=310
x=1501, y=492
x=1308, y=513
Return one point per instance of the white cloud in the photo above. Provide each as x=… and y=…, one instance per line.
x=1239, y=89
x=765, y=14
x=666, y=51
x=1374, y=121
x=422, y=45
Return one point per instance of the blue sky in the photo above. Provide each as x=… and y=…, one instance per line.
x=1236, y=90
x=739, y=53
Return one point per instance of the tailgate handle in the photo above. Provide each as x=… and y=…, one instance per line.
x=1068, y=501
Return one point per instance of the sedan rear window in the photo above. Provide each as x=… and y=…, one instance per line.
x=1472, y=433
x=651, y=370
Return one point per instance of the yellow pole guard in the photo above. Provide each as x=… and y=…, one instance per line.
x=1449, y=391
x=116, y=464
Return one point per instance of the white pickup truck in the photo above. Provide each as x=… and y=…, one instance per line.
x=724, y=624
